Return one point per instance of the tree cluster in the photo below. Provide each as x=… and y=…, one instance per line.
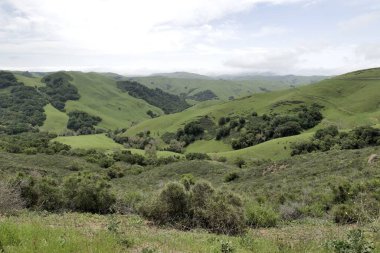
x=21, y=107
x=169, y=103
x=59, y=89
x=82, y=122
x=258, y=129
x=328, y=138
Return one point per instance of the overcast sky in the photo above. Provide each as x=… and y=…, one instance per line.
x=320, y=37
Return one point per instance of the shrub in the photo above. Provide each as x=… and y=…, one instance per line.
x=175, y=201
x=187, y=180
x=202, y=206
x=231, y=177
x=10, y=199
x=226, y=247
x=49, y=195
x=240, y=162
x=291, y=211
x=225, y=214
x=197, y=156
x=261, y=216
x=87, y=193
x=355, y=243
x=346, y=214
x=221, y=159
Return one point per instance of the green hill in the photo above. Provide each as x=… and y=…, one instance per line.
x=224, y=88
x=349, y=100
x=99, y=96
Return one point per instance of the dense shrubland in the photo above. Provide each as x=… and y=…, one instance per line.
x=59, y=89
x=256, y=129
x=21, y=107
x=169, y=103
x=245, y=131
x=82, y=192
x=31, y=143
x=330, y=138
x=199, y=205
x=7, y=79
x=203, y=96
x=82, y=122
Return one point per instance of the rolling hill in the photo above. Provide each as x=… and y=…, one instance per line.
x=349, y=100
x=225, y=88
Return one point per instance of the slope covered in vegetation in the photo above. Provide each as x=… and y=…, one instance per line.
x=169, y=103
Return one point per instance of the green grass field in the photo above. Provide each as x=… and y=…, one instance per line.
x=160, y=154
x=204, y=146
x=277, y=149
x=56, y=121
x=30, y=81
x=95, y=141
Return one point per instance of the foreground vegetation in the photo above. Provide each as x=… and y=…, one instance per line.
x=72, y=232
x=296, y=181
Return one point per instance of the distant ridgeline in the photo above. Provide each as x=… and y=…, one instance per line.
x=169, y=103
x=59, y=89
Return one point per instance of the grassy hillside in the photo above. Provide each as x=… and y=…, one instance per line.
x=95, y=141
x=224, y=88
x=56, y=121
x=277, y=149
x=29, y=80
x=101, y=97
x=348, y=102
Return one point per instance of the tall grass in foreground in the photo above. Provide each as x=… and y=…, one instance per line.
x=72, y=232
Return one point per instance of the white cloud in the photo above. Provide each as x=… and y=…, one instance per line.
x=166, y=35
x=361, y=21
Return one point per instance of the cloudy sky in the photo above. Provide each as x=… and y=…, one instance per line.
x=208, y=37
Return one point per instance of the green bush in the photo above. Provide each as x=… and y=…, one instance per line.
x=239, y=162
x=10, y=199
x=225, y=214
x=226, y=247
x=202, y=206
x=355, y=243
x=88, y=193
x=231, y=177
x=197, y=156
x=261, y=216
x=346, y=214
x=49, y=195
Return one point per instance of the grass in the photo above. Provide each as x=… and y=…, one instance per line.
x=276, y=149
x=101, y=97
x=30, y=81
x=72, y=232
x=56, y=121
x=205, y=146
x=160, y=154
x=94, y=141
